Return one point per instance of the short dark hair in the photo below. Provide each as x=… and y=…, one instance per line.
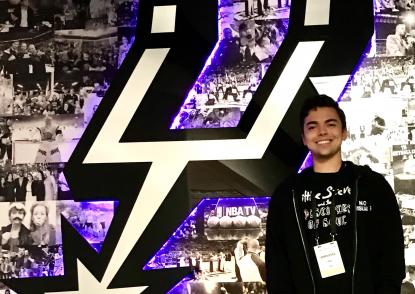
x=320, y=101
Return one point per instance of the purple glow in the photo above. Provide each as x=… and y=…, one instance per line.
x=180, y=284
x=90, y=219
x=248, y=41
x=196, y=228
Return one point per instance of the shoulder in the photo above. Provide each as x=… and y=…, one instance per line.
x=391, y=37
x=286, y=185
x=370, y=179
x=25, y=230
x=365, y=173
x=284, y=190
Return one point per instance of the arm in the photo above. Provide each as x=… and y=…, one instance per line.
x=239, y=250
x=55, y=187
x=391, y=252
x=279, y=280
x=261, y=266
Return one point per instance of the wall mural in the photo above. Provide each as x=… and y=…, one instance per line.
x=57, y=59
x=383, y=138
x=234, y=67
x=250, y=35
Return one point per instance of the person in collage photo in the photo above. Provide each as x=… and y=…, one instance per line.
x=57, y=60
x=251, y=33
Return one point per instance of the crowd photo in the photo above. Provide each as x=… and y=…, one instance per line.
x=51, y=86
x=223, y=241
x=231, y=76
x=57, y=76
x=379, y=103
x=57, y=60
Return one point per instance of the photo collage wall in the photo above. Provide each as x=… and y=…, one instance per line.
x=57, y=59
x=55, y=69
x=379, y=103
x=223, y=242
x=251, y=33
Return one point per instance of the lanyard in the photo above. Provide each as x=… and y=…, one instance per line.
x=333, y=214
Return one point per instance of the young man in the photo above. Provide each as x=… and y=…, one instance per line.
x=334, y=228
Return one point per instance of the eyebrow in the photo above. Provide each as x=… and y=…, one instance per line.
x=313, y=122
x=332, y=120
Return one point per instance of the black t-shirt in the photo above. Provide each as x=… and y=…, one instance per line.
x=326, y=187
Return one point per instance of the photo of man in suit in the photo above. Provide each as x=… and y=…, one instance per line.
x=20, y=187
x=22, y=16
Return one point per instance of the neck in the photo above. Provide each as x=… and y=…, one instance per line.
x=16, y=226
x=327, y=165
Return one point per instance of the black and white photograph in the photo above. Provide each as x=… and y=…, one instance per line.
x=45, y=139
x=51, y=87
x=29, y=65
x=33, y=182
x=220, y=98
x=408, y=284
x=384, y=77
x=25, y=19
x=372, y=131
x=34, y=262
x=223, y=240
x=393, y=7
x=95, y=14
x=261, y=9
x=403, y=163
x=379, y=103
x=88, y=15
x=395, y=28
x=407, y=208
x=31, y=240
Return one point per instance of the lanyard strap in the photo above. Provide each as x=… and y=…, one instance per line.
x=333, y=214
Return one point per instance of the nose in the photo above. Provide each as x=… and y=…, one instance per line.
x=322, y=130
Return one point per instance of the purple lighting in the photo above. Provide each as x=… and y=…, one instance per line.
x=214, y=226
x=249, y=38
x=90, y=219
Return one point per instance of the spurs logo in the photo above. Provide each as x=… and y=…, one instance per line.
x=169, y=158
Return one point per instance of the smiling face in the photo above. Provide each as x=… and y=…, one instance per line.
x=323, y=133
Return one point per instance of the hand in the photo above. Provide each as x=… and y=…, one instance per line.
x=5, y=237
